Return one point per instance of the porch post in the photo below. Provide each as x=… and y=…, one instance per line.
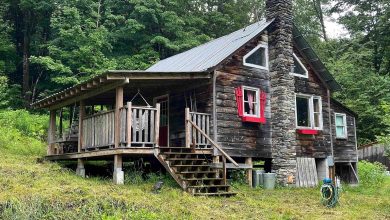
x=128, y=124
x=81, y=116
x=80, y=170
x=51, y=133
x=118, y=105
x=248, y=161
x=157, y=127
x=119, y=176
x=188, y=127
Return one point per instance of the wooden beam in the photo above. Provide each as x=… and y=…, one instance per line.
x=81, y=116
x=128, y=124
x=157, y=126
x=248, y=161
x=51, y=132
x=117, y=123
x=187, y=127
x=103, y=153
x=88, y=94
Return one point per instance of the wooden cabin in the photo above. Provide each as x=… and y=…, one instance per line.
x=259, y=93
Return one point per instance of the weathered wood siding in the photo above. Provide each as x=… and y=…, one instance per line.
x=344, y=149
x=317, y=146
x=178, y=101
x=241, y=139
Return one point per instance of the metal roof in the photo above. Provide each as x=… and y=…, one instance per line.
x=209, y=55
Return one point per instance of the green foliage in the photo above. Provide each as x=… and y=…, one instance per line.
x=22, y=132
x=371, y=175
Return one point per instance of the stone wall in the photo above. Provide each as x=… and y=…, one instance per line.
x=282, y=90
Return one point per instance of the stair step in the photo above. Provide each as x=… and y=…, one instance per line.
x=195, y=172
x=181, y=153
x=201, y=179
x=179, y=159
x=209, y=186
x=189, y=165
x=216, y=194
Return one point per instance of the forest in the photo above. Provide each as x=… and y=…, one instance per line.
x=49, y=45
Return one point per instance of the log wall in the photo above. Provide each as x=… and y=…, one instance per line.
x=237, y=138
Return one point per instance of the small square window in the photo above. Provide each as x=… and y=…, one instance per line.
x=341, y=125
x=298, y=69
x=251, y=101
x=258, y=57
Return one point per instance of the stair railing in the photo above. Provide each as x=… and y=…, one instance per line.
x=190, y=124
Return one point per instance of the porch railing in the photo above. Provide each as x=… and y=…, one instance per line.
x=139, y=127
x=202, y=120
x=191, y=123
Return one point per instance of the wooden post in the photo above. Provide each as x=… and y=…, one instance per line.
x=188, y=127
x=81, y=116
x=117, y=123
x=52, y=133
x=80, y=170
x=157, y=127
x=128, y=124
x=249, y=177
x=118, y=177
x=224, y=170
x=61, y=124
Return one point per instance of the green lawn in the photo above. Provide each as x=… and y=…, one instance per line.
x=31, y=190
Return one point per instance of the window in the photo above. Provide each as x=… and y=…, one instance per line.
x=251, y=101
x=308, y=111
x=341, y=125
x=250, y=104
x=258, y=57
x=298, y=69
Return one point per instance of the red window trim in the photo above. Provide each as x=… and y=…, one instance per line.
x=240, y=107
x=307, y=131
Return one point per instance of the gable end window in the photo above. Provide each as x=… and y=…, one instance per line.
x=258, y=57
x=341, y=125
x=298, y=69
x=308, y=112
x=250, y=104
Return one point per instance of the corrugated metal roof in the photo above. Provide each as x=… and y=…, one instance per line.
x=208, y=55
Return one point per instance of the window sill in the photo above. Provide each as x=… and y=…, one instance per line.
x=253, y=119
x=307, y=131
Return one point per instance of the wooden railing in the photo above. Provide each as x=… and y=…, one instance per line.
x=202, y=120
x=192, y=127
x=98, y=130
x=139, y=127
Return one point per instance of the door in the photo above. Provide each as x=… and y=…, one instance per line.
x=164, y=120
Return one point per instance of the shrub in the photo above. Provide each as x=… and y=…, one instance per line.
x=22, y=133
x=371, y=174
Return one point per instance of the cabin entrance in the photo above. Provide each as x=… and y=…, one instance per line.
x=164, y=120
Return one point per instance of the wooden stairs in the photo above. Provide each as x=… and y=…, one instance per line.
x=193, y=172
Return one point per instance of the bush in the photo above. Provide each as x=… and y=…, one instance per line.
x=22, y=133
x=371, y=174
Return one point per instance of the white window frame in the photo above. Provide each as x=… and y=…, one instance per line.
x=257, y=98
x=303, y=66
x=265, y=46
x=344, y=125
x=311, y=111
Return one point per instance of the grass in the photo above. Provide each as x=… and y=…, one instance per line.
x=33, y=190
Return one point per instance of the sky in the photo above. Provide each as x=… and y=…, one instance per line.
x=334, y=29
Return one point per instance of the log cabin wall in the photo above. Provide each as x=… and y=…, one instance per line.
x=319, y=145
x=344, y=150
x=241, y=139
x=178, y=100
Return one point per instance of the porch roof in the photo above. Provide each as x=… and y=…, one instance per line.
x=110, y=80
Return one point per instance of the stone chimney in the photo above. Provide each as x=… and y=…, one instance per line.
x=282, y=90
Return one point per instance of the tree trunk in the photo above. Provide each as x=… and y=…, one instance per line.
x=318, y=9
x=26, y=56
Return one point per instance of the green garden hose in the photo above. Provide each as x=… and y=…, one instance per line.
x=330, y=194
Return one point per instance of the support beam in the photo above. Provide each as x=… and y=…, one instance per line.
x=118, y=177
x=117, y=123
x=81, y=116
x=51, y=133
x=80, y=170
x=248, y=161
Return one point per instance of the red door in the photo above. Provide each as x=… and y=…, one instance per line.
x=164, y=120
